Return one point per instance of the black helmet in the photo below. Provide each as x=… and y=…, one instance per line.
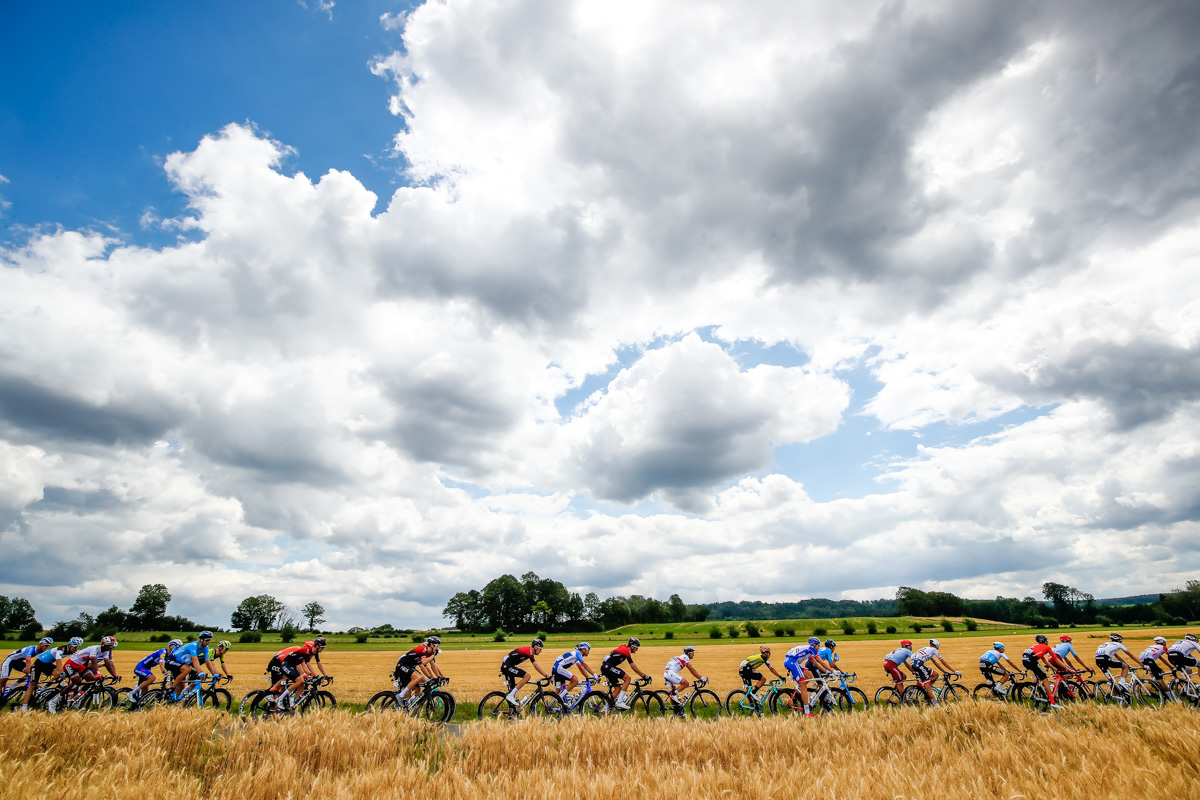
x=434, y=640
x=634, y=642
x=320, y=641
x=1116, y=637
x=537, y=643
x=689, y=650
x=1041, y=638
x=830, y=643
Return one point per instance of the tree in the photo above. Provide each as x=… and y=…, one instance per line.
x=678, y=608
x=312, y=612
x=15, y=613
x=467, y=611
x=151, y=604
x=258, y=613
x=505, y=603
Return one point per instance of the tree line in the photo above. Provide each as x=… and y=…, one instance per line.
x=533, y=603
x=815, y=608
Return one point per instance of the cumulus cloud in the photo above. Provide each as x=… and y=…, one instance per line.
x=941, y=214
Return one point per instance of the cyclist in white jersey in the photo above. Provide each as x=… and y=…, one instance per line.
x=990, y=666
x=1151, y=656
x=925, y=674
x=1114, y=655
x=1183, y=653
x=675, y=679
x=561, y=669
x=1066, y=651
x=22, y=660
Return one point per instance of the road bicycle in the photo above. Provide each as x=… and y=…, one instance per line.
x=195, y=694
x=825, y=697
x=639, y=701
x=994, y=691
x=744, y=702
x=550, y=704
x=429, y=703
x=1184, y=688
x=95, y=695
x=496, y=705
x=948, y=690
x=1063, y=690
x=701, y=703
x=1136, y=691
x=265, y=703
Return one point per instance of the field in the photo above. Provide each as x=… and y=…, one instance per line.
x=964, y=751
x=473, y=669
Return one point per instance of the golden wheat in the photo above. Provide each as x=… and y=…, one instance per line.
x=969, y=750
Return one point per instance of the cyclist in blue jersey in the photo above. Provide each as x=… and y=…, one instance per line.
x=22, y=660
x=187, y=660
x=891, y=665
x=1065, y=650
x=992, y=669
x=49, y=664
x=561, y=669
x=827, y=652
x=145, y=668
x=801, y=657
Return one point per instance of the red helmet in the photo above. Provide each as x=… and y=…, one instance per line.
x=906, y=643
x=1064, y=638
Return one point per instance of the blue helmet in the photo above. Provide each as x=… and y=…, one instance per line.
x=813, y=640
x=205, y=635
x=76, y=642
x=46, y=641
x=998, y=645
x=584, y=646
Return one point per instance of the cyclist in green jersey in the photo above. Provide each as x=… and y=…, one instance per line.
x=748, y=670
x=218, y=653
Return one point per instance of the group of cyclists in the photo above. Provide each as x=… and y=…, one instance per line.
x=815, y=658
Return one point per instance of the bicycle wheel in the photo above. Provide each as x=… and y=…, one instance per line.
x=955, y=693
x=785, y=701
x=247, y=701
x=547, y=705
x=852, y=700
x=100, y=699
x=263, y=705
x=382, y=701
x=595, y=703
x=1148, y=694
x=497, y=706
x=705, y=704
x=915, y=696
x=647, y=705
x=327, y=699
x=740, y=703
x=888, y=697
x=1186, y=691
x=822, y=701
x=222, y=699
x=1041, y=701
x=438, y=707
x=13, y=696
x=986, y=692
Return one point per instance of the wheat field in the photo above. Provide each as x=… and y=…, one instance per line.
x=968, y=750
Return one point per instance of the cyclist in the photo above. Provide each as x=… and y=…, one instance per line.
x=796, y=660
x=827, y=652
x=1151, y=656
x=512, y=672
x=1066, y=651
x=925, y=674
x=1113, y=655
x=610, y=668
x=891, y=665
x=84, y=664
x=187, y=660
x=48, y=663
x=676, y=681
x=218, y=653
x=1032, y=660
x=1183, y=653
x=993, y=670
x=144, y=669
x=416, y=665
x=22, y=660
x=561, y=669
x=748, y=669
x=291, y=664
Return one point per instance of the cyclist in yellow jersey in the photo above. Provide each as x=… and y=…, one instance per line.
x=747, y=671
x=218, y=653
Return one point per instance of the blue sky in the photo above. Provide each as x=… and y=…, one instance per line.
x=369, y=303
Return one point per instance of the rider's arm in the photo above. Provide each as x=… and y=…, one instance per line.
x=322, y=668
x=692, y=670
x=112, y=670
x=588, y=671
x=945, y=664
x=538, y=667
x=636, y=668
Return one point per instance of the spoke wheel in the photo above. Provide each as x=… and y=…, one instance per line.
x=1148, y=694
x=739, y=703
x=985, y=692
x=548, y=705
x=887, y=698
x=496, y=706
x=853, y=700
x=785, y=701
x=595, y=703
x=955, y=693
x=100, y=699
x=1041, y=701
x=382, y=701
x=438, y=707
x=705, y=705
x=915, y=696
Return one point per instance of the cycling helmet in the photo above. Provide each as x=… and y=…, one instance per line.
x=906, y=643
x=584, y=646
x=1191, y=637
x=224, y=643
x=830, y=643
x=538, y=643
x=813, y=640
x=320, y=641
x=689, y=650
x=1116, y=637
x=634, y=642
x=764, y=649
x=1159, y=640
x=205, y=635
x=46, y=641
x=934, y=643
x=436, y=641
x=998, y=645
x=109, y=642
x=1041, y=638
x=175, y=643
x=75, y=642
x=1064, y=638
x=310, y=645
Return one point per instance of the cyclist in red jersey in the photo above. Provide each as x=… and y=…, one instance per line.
x=291, y=666
x=516, y=676
x=417, y=665
x=1042, y=652
x=610, y=668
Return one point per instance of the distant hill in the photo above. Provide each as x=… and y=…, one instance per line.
x=1132, y=600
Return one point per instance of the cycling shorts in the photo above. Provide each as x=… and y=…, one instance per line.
x=922, y=672
x=1180, y=661
x=11, y=663
x=1152, y=665
x=142, y=673
x=793, y=666
x=280, y=671
x=42, y=669
x=1034, y=665
x=615, y=675
x=892, y=669
x=749, y=675
x=509, y=671
x=403, y=674
x=73, y=669
x=672, y=679
x=990, y=670
x=1104, y=662
x=562, y=674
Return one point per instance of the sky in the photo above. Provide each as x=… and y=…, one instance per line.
x=369, y=303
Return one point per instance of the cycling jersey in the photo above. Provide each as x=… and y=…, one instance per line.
x=1110, y=650
x=211, y=653
x=519, y=655
x=1185, y=647
x=618, y=656
x=88, y=656
x=568, y=659
x=924, y=654
x=678, y=664
x=413, y=657
x=828, y=655
x=1061, y=650
x=24, y=652
x=1152, y=653
x=801, y=653
x=152, y=660
x=755, y=661
x=51, y=655
x=294, y=656
x=1038, y=651
x=898, y=656
x=992, y=656
x=184, y=655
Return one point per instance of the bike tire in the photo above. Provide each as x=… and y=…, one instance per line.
x=915, y=696
x=12, y=695
x=782, y=702
x=260, y=708
x=885, y=695
x=327, y=699
x=247, y=702
x=595, y=703
x=705, y=704
x=382, y=701
x=986, y=693
x=1186, y=691
x=496, y=705
x=955, y=693
x=740, y=703
x=224, y=700
x=1039, y=698
x=438, y=707
x=853, y=701
x=547, y=705
x=1148, y=695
